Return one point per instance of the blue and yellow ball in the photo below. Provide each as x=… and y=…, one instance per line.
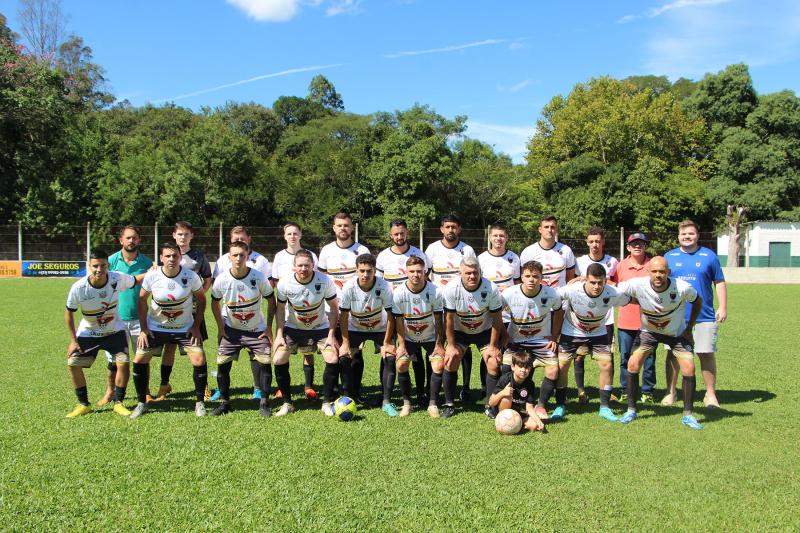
x=345, y=408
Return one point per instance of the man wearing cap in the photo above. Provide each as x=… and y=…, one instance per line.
x=628, y=321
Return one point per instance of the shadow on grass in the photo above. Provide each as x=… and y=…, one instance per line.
x=744, y=396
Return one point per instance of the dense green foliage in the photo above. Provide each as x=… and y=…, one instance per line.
x=639, y=153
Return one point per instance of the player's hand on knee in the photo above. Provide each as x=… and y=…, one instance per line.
x=387, y=350
x=144, y=339
x=344, y=350
x=73, y=347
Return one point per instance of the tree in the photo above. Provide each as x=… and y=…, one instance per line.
x=256, y=122
x=293, y=110
x=322, y=91
x=734, y=218
x=724, y=98
x=42, y=23
x=85, y=81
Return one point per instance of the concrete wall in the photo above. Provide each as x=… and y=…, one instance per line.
x=762, y=275
x=757, y=237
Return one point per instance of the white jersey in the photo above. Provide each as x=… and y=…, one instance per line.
x=368, y=309
x=98, y=305
x=171, y=302
x=608, y=263
x=584, y=315
x=392, y=266
x=255, y=260
x=241, y=299
x=661, y=312
x=283, y=264
x=472, y=309
x=555, y=262
x=502, y=270
x=445, y=262
x=530, y=315
x=418, y=310
x=304, y=301
x=340, y=263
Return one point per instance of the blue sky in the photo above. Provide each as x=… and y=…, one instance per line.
x=496, y=62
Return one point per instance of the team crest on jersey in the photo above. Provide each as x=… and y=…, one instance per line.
x=510, y=261
x=171, y=285
x=544, y=301
x=659, y=300
x=317, y=287
x=592, y=304
x=483, y=294
x=253, y=283
x=606, y=300
x=184, y=281
x=241, y=287
x=416, y=301
x=113, y=285
x=523, y=393
x=103, y=294
x=697, y=264
x=673, y=295
x=378, y=293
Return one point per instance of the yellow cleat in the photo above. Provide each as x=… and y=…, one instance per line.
x=121, y=410
x=79, y=410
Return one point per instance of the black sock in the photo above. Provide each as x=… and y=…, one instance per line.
x=561, y=395
x=546, y=390
x=283, y=379
x=505, y=369
x=404, y=380
x=483, y=372
x=346, y=369
x=224, y=380
x=436, y=386
x=255, y=369
x=119, y=393
x=200, y=375
x=140, y=373
x=166, y=371
x=449, y=380
x=466, y=365
x=358, y=373
x=491, y=383
x=329, y=376
x=112, y=368
x=579, y=371
x=633, y=390
x=381, y=370
x=689, y=385
x=389, y=377
x=83, y=395
x=308, y=372
x=605, y=397
x=266, y=380
x=419, y=375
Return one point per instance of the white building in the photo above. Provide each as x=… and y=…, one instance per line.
x=765, y=244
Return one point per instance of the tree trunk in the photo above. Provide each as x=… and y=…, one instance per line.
x=734, y=218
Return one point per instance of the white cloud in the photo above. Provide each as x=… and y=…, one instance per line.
x=342, y=6
x=445, y=49
x=286, y=72
x=677, y=4
x=519, y=86
x=511, y=140
x=268, y=10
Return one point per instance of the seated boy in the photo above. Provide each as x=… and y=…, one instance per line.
x=515, y=390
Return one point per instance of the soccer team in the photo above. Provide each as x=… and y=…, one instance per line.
x=421, y=310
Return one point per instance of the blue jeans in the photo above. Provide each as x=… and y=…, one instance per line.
x=625, y=339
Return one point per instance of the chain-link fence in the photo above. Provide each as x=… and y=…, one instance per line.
x=71, y=243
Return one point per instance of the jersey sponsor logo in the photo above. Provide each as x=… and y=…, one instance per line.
x=171, y=285
x=240, y=286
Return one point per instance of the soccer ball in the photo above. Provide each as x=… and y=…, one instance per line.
x=508, y=422
x=345, y=408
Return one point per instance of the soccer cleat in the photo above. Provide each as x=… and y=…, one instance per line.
x=311, y=394
x=583, y=397
x=256, y=393
x=465, y=396
x=668, y=400
x=163, y=390
x=222, y=409
x=433, y=411
x=629, y=417
x=607, y=414
x=207, y=394
x=121, y=410
x=405, y=410
x=139, y=410
x=360, y=401
x=489, y=412
x=327, y=409
x=558, y=413
x=691, y=421
x=200, y=409
x=623, y=398
x=278, y=394
x=79, y=410
x=647, y=399
x=217, y=396
x=285, y=409
x=541, y=412
x=389, y=409
x=614, y=398
x=447, y=411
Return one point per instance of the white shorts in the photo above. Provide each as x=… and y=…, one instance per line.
x=705, y=337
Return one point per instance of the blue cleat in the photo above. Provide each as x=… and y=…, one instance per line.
x=217, y=396
x=691, y=421
x=558, y=413
x=256, y=394
x=389, y=409
x=629, y=417
x=607, y=414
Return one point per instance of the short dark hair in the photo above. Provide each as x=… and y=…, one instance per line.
x=533, y=266
x=366, y=259
x=342, y=215
x=303, y=253
x=500, y=226
x=523, y=359
x=97, y=253
x=240, y=229
x=548, y=218
x=596, y=230
x=183, y=224
x=129, y=227
x=398, y=222
x=239, y=244
x=449, y=217
x=596, y=270
x=415, y=260
x=169, y=245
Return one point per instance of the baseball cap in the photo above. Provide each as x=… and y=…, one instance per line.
x=638, y=236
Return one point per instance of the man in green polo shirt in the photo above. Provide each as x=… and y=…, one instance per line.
x=130, y=261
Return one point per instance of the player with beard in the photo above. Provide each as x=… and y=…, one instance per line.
x=662, y=302
x=283, y=266
x=392, y=266
x=444, y=258
x=556, y=258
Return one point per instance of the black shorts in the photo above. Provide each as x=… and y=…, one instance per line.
x=414, y=349
x=598, y=347
x=357, y=338
x=163, y=338
x=115, y=344
x=647, y=342
x=481, y=340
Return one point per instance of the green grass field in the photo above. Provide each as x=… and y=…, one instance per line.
x=172, y=471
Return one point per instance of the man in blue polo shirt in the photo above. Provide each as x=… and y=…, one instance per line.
x=129, y=261
x=700, y=267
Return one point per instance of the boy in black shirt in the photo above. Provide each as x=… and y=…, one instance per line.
x=515, y=390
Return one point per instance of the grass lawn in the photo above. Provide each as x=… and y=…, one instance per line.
x=172, y=471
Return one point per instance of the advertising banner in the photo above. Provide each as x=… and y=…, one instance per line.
x=42, y=269
x=10, y=269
